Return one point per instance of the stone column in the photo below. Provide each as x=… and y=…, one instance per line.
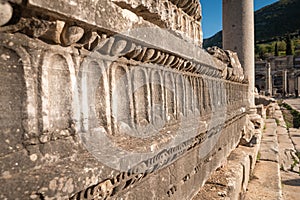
x=298, y=85
x=268, y=79
x=284, y=82
x=238, y=36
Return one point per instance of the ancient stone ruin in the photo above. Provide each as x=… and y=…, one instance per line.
x=113, y=99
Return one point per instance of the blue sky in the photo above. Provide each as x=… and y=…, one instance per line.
x=212, y=14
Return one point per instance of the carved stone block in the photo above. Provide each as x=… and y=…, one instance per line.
x=99, y=102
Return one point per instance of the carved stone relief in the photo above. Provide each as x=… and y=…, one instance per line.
x=165, y=13
x=12, y=110
x=71, y=85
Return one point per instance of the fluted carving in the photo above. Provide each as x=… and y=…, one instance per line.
x=92, y=112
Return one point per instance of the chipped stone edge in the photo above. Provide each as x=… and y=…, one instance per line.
x=239, y=167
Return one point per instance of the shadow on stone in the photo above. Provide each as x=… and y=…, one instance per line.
x=295, y=135
x=292, y=182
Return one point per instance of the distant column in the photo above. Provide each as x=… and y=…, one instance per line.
x=269, y=79
x=284, y=82
x=297, y=86
x=238, y=36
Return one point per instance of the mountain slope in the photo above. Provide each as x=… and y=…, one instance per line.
x=272, y=21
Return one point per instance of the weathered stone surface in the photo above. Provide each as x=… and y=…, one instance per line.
x=269, y=150
x=265, y=182
x=219, y=54
x=252, y=130
x=94, y=110
x=193, y=8
x=261, y=110
x=231, y=180
x=259, y=99
x=71, y=35
x=294, y=103
x=289, y=161
x=248, y=132
x=54, y=32
x=290, y=185
x=11, y=102
x=6, y=12
x=234, y=68
x=295, y=137
x=238, y=36
x=185, y=22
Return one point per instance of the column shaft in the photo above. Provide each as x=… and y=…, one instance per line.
x=269, y=80
x=238, y=36
x=284, y=82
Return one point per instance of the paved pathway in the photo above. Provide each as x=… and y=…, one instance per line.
x=276, y=175
x=295, y=103
x=278, y=149
x=265, y=182
x=289, y=143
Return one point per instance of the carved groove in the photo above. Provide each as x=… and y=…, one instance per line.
x=111, y=187
x=83, y=78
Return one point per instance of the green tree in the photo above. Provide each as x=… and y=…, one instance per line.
x=289, y=48
x=281, y=46
x=269, y=48
x=276, y=49
x=261, y=50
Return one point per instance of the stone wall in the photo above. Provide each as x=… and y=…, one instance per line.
x=98, y=101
